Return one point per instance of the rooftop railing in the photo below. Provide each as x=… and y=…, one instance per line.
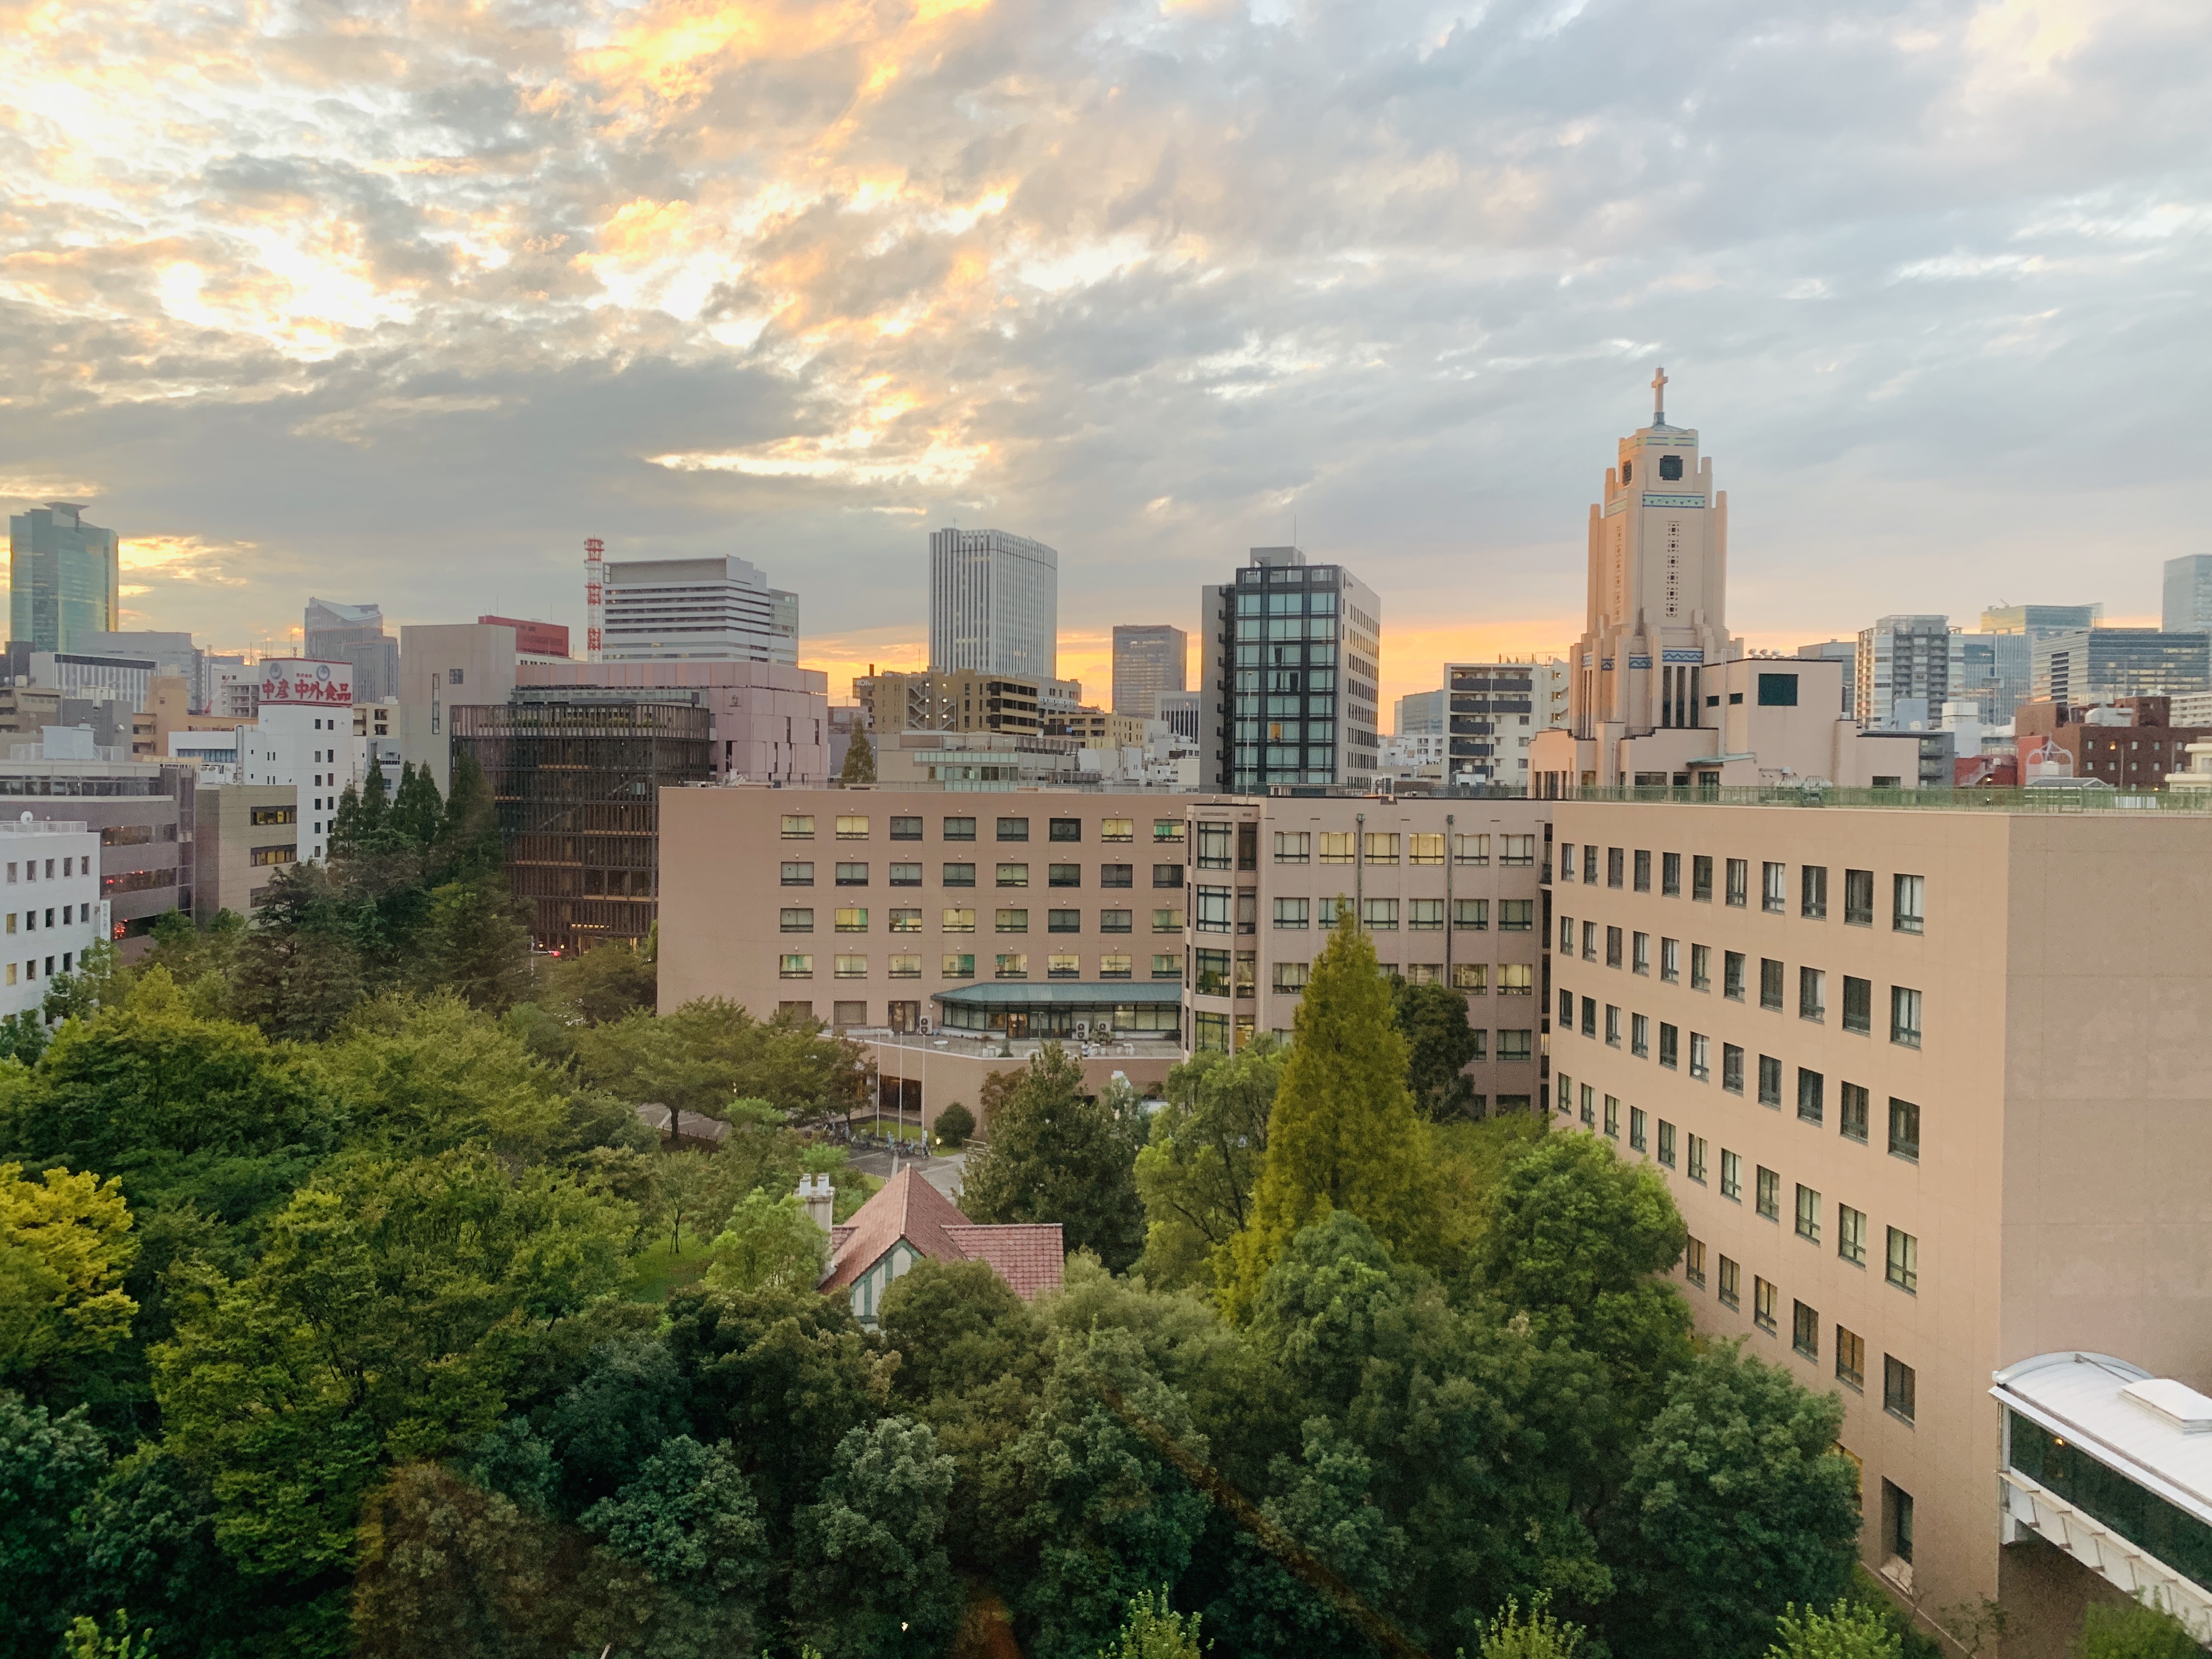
x=2065, y=799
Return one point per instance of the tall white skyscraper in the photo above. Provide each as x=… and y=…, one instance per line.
x=698, y=611
x=993, y=604
x=2188, y=607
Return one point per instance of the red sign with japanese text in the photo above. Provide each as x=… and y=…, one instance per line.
x=296, y=681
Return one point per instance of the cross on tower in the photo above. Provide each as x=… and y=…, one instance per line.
x=1659, y=399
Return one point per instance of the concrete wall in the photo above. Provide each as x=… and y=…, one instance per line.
x=482, y=655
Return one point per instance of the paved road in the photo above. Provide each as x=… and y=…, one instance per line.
x=942, y=1172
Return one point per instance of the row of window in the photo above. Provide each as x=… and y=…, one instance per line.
x=31, y=967
x=853, y=919
x=70, y=913
x=1512, y=979
x=1856, y=1013
x=1381, y=847
x=960, y=965
x=30, y=868
x=1900, y=1386
x=853, y=826
x=1381, y=915
x=1908, y=894
x=801, y=873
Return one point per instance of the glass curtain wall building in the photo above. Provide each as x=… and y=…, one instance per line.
x=993, y=604
x=64, y=578
x=1293, y=660
x=2097, y=665
x=1149, y=661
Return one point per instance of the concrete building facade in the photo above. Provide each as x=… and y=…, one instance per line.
x=1902, y=673
x=1927, y=1087
x=993, y=604
x=769, y=722
x=247, y=834
x=142, y=813
x=50, y=904
x=354, y=633
x=720, y=610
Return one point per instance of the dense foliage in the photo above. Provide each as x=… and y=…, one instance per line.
x=402, y=1336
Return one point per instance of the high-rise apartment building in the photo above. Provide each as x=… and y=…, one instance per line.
x=719, y=610
x=993, y=604
x=1919, y=1105
x=64, y=578
x=1148, y=660
x=2038, y=620
x=1292, y=664
x=355, y=634
x=2100, y=664
x=2188, y=594
x=1494, y=711
x=1902, y=673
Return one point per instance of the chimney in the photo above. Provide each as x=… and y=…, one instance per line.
x=820, y=1199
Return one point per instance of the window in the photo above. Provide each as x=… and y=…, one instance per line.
x=1732, y=975
x=1516, y=1047
x=1701, y=967
x=1764, y=1298
x=1696, y=1167
x=1666, y=1143
x=1811, y=1089
x=1167, y=875
x=1213, y=847
x=1590, y=1017
x=1012, y=964
x=1515, y=979
x=1117, y=875
x=959, y=875
x=1566, y=860
x=1731, y=1175
x=262, y=857
x=1517, y=915
x=1693, y=1262
x=1670, y=961
x=1518, y=852
x=906, y=875
x=1669, y=1040
x=1701, y=1053
x=1805, y=1330
x=1770, y=984
x=959, y=921
x=851, y=875
x=1612, y=1117
x=852, y=828
x=1290, y=977
x=1642, y=870
x=1770, y=1080
x=1774, y=884
x=1850, y=1359
x=959, y=964
x=1812, y=995
x=1639, y=1035
x=906, y=828
x=1063, y=921
x=1117, y=829
x=1851, y=1234
x=959, y=829
x=1809, y=1214
x=1637, y=1120
x=1167, y=830
x=905, y=967
x=798, y=875
x=1770, y=1193
x=852, y=968
x=1292, y=846
x=1339, y=846
x=1381, y=847
x=1851, y=1109
x=1470, y=915
x=1470, y=849
x=1014, y=875
x=1730, y=1291
x=1589, y=941
x=1614, y=858
x=796, y=921
x=852, y=920
x=1472, y=978
x=1639, y=954
x=1701, y=878
x=1590, y=1097
x=1062, y=966
x=1379, y=915
x=1167, y=966
x=1611, y=1025
x=1567, y=935
x=1013, y=830
x=1812, y=891
x=1739, y=882
x=1670, y=875
x=1424, y=849
x=1168, y=922
x=1291, y=913
x=1064, y=875
x=1905, y=914
x=1858, y=1005
x=134, y=834
x=1731, y=1068
x=1064, y=828
x=1612, y=947
x=1113, y=967
x=793, y=965
x=1777, y=690
x=1900, y=1398
x=796, y=826
x=1903, y=1270
x=1116, y=921
x=1904, y=1017
x=1858, y=898
x=1904, y=1129
x=1010, y=922
x=1425, y=913
x=1210, y=1031
x=906, y=921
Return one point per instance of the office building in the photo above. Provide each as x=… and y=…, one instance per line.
x=2187, y=607
x=963, y=700
x=1902, y=673
x=1148, y=661
x=576, y=774
x=142, y=813
x=1180, y=712
x=535, y=641
x=2038, y=620
x=1995, y=672
x=769, y=722
x=1930, y=1114
x=442, y=664
x=247, y=835
x=1418, y=715
x=2131, y=744
x=64, y=578
x=50, y=905
x=354, y=633
x=993, y=604
x=1292, y=656
x=173, y=654
x=303, y=739
x=2103, y=664
x=719, y=610
x=1495, y=711
x=229, y=686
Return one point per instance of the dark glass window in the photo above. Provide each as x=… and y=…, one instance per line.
x=1904, y=1129
x=906, y=828
x=1013, y=830
x=959, y=829
x=1670, y=469
x=1063, y=829
x=2143, y=1518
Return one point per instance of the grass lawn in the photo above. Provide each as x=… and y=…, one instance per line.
x=890, y=1128
x=656, y=1270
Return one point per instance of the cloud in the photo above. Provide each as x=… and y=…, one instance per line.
x=401, y=307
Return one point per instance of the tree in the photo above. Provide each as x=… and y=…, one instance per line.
x=1343, y=1133
x=448, y=1567
x=689, y=1519
x=870, y=1575
x=97, y=981
x=48, y=1467
x=476, y=946
x=85, y=1639
x=770, y=1243
x=1439, y=1043
x=1540, y=1636
x=710, y=1052
x=64, y=1246
x=859, y=762
x=1196, y=1172
x=1736, y=1505
x=299, y=968
x=605, y=983
x=1844, y=1632
x=1057, y=1154
x=2134, y=1631
x=954, y=1125
x=1154, y=1631
x=465, y=841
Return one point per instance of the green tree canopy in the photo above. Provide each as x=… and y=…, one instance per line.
x=1439, y=1043
x=859, y=762
x=64, y=1246
x=476, y=945
x=710, y=1052
x=769, y=1244
x=49, y=1466
x=871, y=1575
x=2134, y=1631
x=1058, y=1154
x=1196, y=1172
x=1842, y=1631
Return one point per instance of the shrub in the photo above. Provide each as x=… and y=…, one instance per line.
x=954, y=1125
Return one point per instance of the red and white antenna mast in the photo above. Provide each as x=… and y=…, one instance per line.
x=595, y=598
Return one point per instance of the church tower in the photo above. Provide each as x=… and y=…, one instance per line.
x=1658, y=619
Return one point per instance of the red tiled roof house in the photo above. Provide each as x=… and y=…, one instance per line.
x=911, y=1220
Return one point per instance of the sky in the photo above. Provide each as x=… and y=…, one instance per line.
x=398, y=303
